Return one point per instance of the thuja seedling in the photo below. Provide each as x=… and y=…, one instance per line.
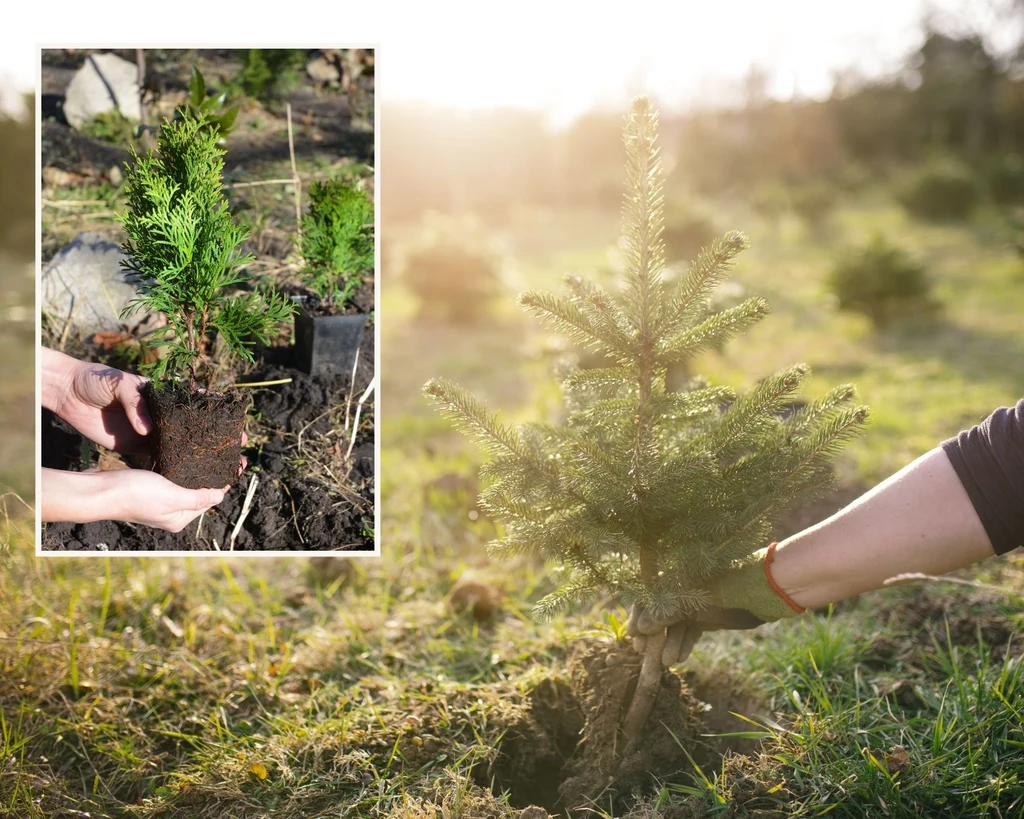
x=183, y=248
x=337, y=241
x=184, y=251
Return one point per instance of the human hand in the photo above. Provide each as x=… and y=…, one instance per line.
x=684, y=629
x=152, y=500
x=743, y=596
x=103, y=403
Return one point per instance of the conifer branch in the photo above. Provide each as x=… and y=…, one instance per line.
x=575, y=323
x=707, y=272
x=713, y=331
x=472, y=417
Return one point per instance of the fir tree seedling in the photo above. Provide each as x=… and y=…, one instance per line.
x=337, y=240
x=643, y=493
x=184, y=250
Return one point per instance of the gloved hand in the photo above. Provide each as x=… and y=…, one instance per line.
x=743, y=596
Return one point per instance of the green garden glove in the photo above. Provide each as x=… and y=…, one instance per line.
x=743, y=596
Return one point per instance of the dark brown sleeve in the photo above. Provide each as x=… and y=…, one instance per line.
x=989, y=460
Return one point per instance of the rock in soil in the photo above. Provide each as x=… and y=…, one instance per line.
x=85, y=285
x=104, y=82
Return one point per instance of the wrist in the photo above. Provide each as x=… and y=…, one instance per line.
x=751, y=585
x=56, y=373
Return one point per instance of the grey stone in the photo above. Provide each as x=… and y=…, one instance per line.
x=103, y=83
x=84, y=284
x=322, y=70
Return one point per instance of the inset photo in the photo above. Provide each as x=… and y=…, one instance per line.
x=207, y=296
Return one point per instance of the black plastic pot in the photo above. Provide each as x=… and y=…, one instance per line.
x=327, y=344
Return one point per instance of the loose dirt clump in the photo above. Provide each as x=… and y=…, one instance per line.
x=564, y=753
x=969, y=618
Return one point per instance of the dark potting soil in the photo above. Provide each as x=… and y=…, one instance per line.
x=361, y=301
x=198, y=437
x=289, y=511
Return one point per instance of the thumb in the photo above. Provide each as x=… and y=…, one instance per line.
x=130, y=395
x=205, y=498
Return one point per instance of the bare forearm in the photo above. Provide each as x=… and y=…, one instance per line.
x=78, y=497
x=919, y=520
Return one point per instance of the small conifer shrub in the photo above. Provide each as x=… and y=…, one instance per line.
x=882, y=281
x=454, y=268
x=941, y=190
x=270, y=72
x=643, y=493
x=183, y=249
x=337, y=241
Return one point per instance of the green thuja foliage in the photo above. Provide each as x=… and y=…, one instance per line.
x=337, y=240
x=184, y=251
x=644, y=493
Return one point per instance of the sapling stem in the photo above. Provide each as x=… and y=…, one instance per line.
x=647, y=686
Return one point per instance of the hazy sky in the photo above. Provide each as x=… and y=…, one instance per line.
x=566, y=56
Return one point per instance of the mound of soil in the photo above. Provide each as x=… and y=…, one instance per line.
x=565, y=753
x=970, y=619
x=291, y=510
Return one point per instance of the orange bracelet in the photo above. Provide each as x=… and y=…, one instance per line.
x=768, y=558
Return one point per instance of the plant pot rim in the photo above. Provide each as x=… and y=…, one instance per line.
x=304, y=303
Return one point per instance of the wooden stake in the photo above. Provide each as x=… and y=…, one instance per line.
x=295, y=176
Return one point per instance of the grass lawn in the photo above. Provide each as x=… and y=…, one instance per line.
x=273, y=688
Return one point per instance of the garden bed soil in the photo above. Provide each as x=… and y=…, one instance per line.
x=292, y=509
x=198, y=436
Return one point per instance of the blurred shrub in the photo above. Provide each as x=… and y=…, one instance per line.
x=17, y=182
x=941, y=190
x=882, y=281
x=270, y=72
x=814, y=203
x=1006, y=179
x=454, y=268
x=688, y=227
x=111, y=126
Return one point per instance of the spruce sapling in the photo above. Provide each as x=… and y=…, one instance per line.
x=184, y=249
x=644, y=493
x=337, y=241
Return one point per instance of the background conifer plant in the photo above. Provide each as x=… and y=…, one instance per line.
x=644, y=493
x=454, y=268
x=883, y=281
x=337, y=241
x=183, y=248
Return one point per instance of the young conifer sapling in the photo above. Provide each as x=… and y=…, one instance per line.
x=337, y=241
x=184, y=249
x=645, y=493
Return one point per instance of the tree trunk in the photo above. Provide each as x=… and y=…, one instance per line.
x=646, y=692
